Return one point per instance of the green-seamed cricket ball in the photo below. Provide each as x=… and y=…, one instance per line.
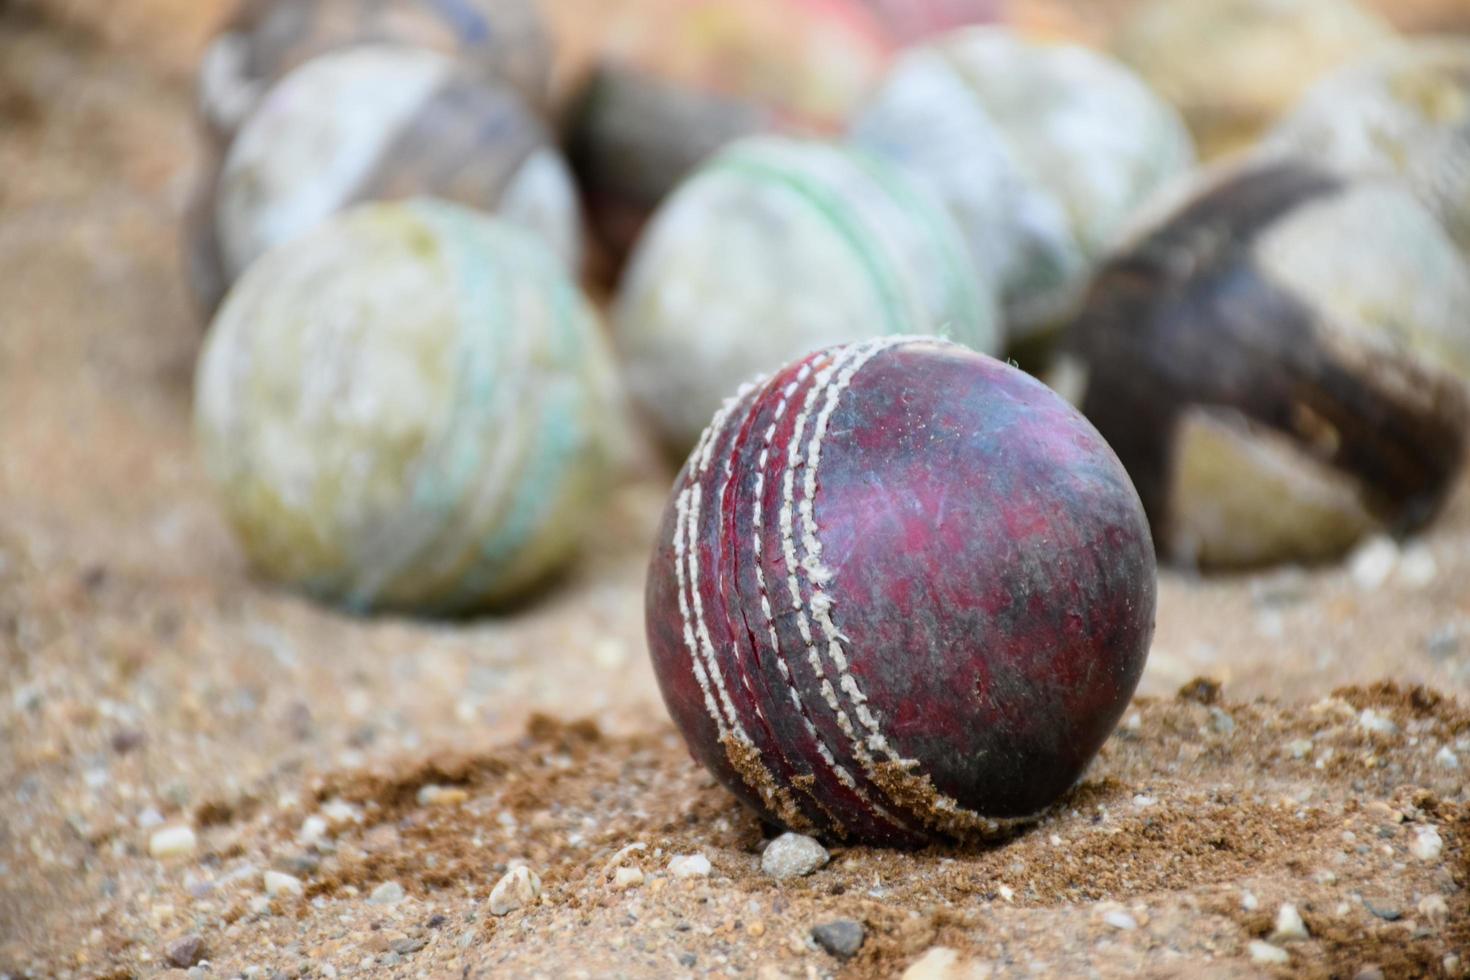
x=777, y=247
x=409, y=407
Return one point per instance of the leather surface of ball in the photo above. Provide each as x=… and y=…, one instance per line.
x=409, y=407
x=1234, y=67
x=1040, y=150
x=902, y=592
x=1403, y=113
x=381, y=122
x=777, y=247
x=502, y=41
x=1281, y=360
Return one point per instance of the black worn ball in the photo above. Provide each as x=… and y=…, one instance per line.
x=1281, y=362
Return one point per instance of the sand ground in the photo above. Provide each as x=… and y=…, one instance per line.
x=147, y=681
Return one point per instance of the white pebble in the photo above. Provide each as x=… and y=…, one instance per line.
x=1143, y=802
x=1289, y=925
x=939, y=963
x=279, y=883
x=1418, y=567
x=627, y=878
x=689, y=866
x=1434, y=908
x=1268, y=955
x=1427, y=844
x=340, y=812
x=1248, y=901
x=792, y=856
x=388, y=893
x=1374, y=562
x=1372, y=721
x=1447, y=759
x=1300, y=748
x=1119, y=919
x=313, y=829
x=172, y=842
x=518, y=888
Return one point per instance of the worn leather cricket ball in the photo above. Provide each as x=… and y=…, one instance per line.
x=902, y=592
x=410, y=407
x=500, y=41
x=1281, y=360
x=777, y=247
x=1403, y=114
x=377, y=122
x=1040, y=150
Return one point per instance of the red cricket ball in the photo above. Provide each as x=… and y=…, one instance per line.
x=902, y=592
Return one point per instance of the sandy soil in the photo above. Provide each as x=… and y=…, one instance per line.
x=148, y=682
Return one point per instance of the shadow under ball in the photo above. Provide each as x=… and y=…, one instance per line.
x=377, y=122
x=1281, y=361
x=901, y=593
x=501, y=41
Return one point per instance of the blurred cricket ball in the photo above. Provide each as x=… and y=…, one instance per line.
x=1404, y=113
x=1233, y=67
x=502, y=41
x=777, y=247
x=409, y=407
x=675, y=81
x=1281, y=361
x=1040, y=150
x=902, y=592
x=634, y=136
x=386, y=122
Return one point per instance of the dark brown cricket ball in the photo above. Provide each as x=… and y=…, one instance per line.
x=1281, y=362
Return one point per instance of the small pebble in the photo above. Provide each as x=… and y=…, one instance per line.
x=840, y=937
x=1434, y=908
x=1418, y=568
x=313, y=829
x=279, y=883
x=1119, y=919
x=939, y=963
x=1446, y=759
x=1374, y=562
x=1249, y=902
x=1368, y=971
x=624, y=878
x=689, y=866
x=793, y=856
x=1427, y=844
x=1289, y=925
x=1268, y=955
x=518, y=888
x=1372, y=721
x=1300, y=748
x=388, y=893
x=1387, y=913
x=1220, y=721
x=172, y=842
x=184, y=953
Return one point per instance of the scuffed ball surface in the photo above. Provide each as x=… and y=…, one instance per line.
x=901, y=592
